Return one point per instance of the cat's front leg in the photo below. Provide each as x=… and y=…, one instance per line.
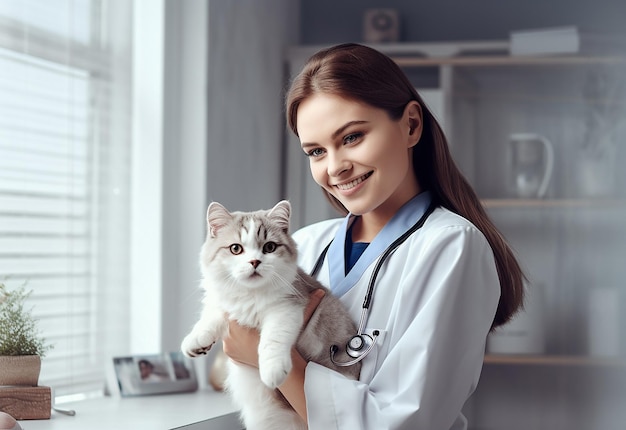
x=279, y=332
x=211, y=327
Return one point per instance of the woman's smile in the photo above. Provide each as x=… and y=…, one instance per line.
x=349, y=186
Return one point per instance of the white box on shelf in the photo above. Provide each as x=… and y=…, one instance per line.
x=604, y=322
x=560, y=40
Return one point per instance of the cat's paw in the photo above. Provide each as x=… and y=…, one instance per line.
x=197, y=343
x=274, y=371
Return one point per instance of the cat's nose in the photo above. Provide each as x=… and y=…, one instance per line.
x=255, y=263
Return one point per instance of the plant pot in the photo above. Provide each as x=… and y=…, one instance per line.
x=20, y=370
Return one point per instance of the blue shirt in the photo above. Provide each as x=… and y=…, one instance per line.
x=353, y=249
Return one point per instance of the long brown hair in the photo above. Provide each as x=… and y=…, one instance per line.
x=363, y=74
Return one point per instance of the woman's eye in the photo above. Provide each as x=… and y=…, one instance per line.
x=269, y=247
x=352, y=138
x=317, y=152
x=236, y=249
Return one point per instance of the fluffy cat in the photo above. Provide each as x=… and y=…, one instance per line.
x=250, y=272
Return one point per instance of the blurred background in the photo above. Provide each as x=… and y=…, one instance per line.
x=121, y=120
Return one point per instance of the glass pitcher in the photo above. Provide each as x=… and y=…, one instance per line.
x=532, y=161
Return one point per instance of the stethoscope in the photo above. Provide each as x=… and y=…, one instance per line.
x=361, y=344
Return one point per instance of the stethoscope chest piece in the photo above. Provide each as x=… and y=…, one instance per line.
x=357, y=346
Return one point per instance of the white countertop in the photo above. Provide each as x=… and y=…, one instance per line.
x=204, y=409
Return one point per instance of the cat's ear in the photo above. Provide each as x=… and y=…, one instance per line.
x=217, y=217
x=280, y=213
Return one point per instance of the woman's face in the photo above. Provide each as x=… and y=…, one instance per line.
x=359, y=154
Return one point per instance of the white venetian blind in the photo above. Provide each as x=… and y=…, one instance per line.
x=64, y=177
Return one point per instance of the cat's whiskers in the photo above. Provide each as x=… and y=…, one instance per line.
x=289, y=284
x=301, y=278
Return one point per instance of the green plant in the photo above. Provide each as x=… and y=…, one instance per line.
x=19, y=334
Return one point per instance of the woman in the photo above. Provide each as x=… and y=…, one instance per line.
x=382, y=159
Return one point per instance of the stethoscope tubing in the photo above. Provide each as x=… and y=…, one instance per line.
x=359, y=355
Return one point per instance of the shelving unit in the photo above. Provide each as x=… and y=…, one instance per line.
x=568, y=243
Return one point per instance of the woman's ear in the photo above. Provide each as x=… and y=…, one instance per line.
x=413, y=118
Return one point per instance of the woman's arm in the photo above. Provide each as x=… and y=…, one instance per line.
x=242, y=345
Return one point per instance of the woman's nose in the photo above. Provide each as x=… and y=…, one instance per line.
x=337, y=164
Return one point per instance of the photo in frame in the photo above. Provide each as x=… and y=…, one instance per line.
x=140, y=375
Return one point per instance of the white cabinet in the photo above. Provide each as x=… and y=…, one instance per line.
x=571, y=243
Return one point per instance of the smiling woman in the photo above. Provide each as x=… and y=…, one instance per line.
x=64, y=142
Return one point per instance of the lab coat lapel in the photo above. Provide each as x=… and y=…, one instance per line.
x=403, y=220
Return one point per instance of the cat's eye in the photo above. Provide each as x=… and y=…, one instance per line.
x=236, y=249
x=269, y=247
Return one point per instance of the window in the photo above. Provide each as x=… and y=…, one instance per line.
x=65, y=178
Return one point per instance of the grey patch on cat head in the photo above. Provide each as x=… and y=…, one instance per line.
x=280, y=214
x=217, y=218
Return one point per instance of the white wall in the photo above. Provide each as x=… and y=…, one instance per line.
x=207, y=114
x=247, y=41
x=185, y=174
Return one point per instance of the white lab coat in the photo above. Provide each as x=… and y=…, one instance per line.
x=434, y=302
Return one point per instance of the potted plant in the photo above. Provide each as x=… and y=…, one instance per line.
x=21, y=343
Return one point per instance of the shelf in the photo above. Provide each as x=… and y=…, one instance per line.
x=416, y=61
x=468, y=53
x=554, y=360
x=554, y=203
x=433, y=51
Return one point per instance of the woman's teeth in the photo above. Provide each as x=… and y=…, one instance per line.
x=354, y=183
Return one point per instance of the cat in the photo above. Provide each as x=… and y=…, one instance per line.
x=250, y=272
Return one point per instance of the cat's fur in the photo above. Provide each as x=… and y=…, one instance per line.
x=250, y=273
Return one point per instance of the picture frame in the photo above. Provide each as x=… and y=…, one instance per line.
x=147, y=374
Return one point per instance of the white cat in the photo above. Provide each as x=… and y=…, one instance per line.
x=250, y=272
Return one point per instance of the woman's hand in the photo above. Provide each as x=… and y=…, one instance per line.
x=314, y=301
x=242, y=343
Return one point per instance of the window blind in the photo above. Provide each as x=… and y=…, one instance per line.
x=64, y=178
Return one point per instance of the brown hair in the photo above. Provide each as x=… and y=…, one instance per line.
x=360, y=73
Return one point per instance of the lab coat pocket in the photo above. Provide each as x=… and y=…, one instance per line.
x=370, y=362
